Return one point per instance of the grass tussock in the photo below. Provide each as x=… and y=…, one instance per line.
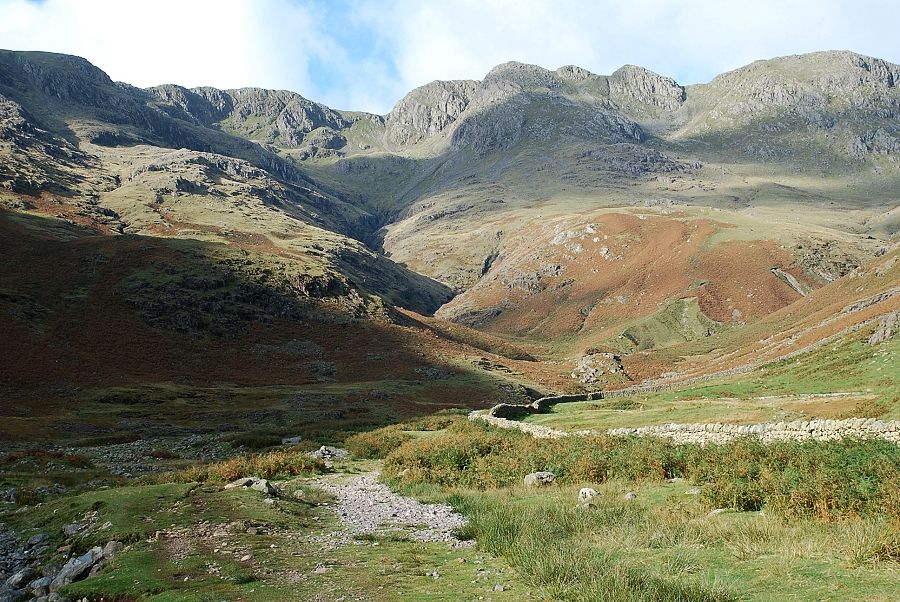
x=278, y=464
x=45, y=459
x=254, y=440
x=554, y=547
x=379, y=443
x=824, y=479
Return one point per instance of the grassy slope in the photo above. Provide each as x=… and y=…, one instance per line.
x=785, y=390
x=664, y=545
x=132, y=335
x=188, y=541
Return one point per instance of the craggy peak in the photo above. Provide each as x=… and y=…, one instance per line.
x=530, y=334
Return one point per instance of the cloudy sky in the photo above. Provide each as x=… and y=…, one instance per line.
x=365, y=54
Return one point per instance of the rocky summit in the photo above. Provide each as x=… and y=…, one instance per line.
x=244, y=332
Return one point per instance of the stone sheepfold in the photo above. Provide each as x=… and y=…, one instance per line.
x=797, y=430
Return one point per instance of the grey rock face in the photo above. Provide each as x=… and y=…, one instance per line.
x=631, y=84
x=594, y=367
x=20, y=578
x=427, y=111
x=265, y=115
x=886, y=329
x=539, y=479
x=514, y=76
x=76, y=567
x=574, y=73
x=61, y=76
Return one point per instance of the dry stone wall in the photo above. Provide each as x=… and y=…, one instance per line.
x=798, y=430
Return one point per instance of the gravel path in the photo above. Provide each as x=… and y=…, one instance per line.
x=365, y=506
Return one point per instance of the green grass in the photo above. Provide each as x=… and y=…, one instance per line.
x=377, y=444
x=827, y=479
x=870, y=373
x=197, y=554
x=662, y=546
x=678, y=322
x=808, y=521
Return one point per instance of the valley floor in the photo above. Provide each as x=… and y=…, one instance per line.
x=342, y=535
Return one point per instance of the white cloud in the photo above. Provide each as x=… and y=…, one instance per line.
x=691, y=39
x=189, y=42
x=310, y=46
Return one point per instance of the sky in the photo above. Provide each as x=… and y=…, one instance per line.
x=366, y=54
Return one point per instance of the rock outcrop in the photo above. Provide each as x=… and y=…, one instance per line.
x=630, y=86
x=427, y=111
x=887, y=328
x=595, y=367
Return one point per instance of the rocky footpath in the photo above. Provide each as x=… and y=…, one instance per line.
x=797, y=430
x=366, y=506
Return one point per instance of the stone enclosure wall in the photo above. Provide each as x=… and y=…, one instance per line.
x=798, y=430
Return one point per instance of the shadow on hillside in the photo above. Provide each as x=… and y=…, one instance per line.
x=240, y=347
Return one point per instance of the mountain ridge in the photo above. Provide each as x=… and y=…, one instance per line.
x=622, y=201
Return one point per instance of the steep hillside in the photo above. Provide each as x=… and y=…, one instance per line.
x=545, y=215
x=137, y=335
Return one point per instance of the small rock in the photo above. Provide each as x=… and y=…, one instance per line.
x=242, y=482
x=72, y=529
x=40, y=587
x=586, y=494
x=630, y=495
x=717, y=512
x=112, y=549
x=36, y=540
x=499, y=587
x=264, y=486
x=693, y=491
x=246, y=557
x=539, y=479
x=20, y=578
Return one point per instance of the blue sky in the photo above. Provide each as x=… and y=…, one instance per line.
x=365, y=54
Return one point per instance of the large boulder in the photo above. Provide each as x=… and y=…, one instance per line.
x=326, y=452
x=255, y=483
x=20, y=578
x=539, y=479
x=76, y=568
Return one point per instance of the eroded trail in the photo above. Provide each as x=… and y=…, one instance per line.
x=366, y=506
